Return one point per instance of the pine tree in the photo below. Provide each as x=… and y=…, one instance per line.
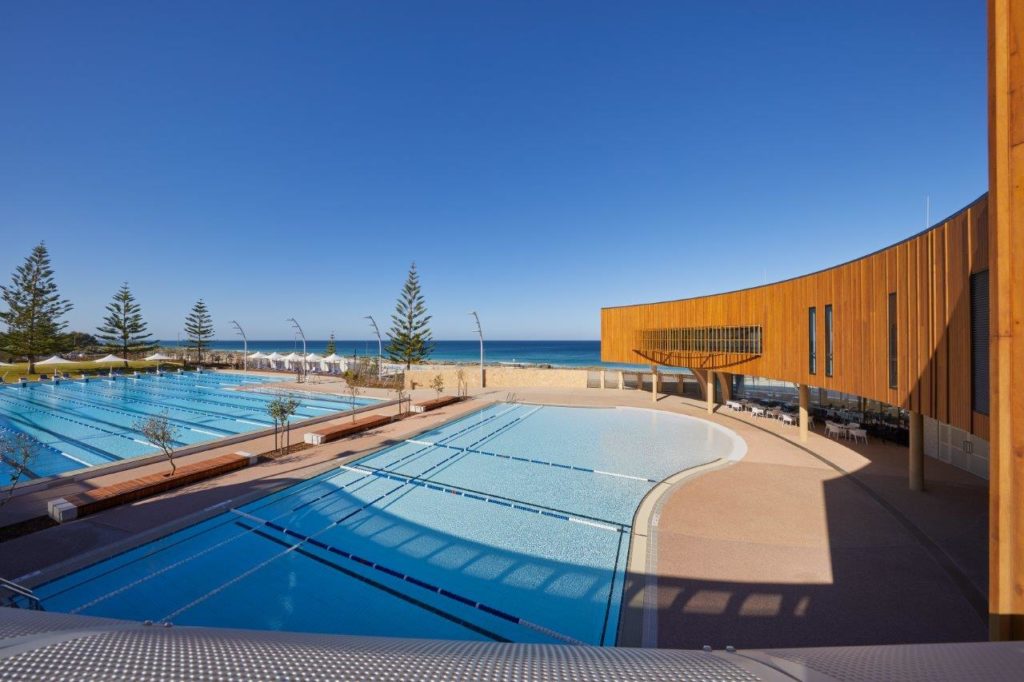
x=199, y=328
x=330, y=345
x=409, y=339
x=124, y=330
x=34, y=309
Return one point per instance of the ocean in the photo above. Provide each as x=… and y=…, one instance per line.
x=554, y=353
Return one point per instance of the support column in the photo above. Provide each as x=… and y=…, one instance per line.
x=654, y=383
x=602, y=379
x=622, y=380
x=710, y=391
x=1006, y=321
x=805, y=411
x=915, y=459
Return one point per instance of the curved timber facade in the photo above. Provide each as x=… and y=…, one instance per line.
x=894, y=326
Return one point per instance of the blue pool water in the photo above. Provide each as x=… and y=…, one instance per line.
x=512, y=523
x=79, y=424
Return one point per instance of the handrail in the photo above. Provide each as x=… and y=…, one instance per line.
x=22, y=591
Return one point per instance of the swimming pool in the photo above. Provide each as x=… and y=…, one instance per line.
x=512, y=523
x=80, y=424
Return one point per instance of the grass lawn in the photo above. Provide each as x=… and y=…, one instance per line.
x=11, y=374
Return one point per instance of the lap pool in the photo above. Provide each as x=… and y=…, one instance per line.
x=79, y=424
x=512, y=523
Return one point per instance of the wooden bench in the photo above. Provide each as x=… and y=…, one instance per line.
x=82, y=504
x=331, y=433
x=429, y=405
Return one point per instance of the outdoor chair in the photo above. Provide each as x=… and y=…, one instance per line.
x=858, y=435
x=833, y=430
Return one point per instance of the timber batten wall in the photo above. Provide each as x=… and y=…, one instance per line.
x=930, y=274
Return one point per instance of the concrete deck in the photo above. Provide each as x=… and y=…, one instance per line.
x=807, y=544
x=796, y=545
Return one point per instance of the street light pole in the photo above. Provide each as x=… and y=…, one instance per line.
x=245, y=346
x=480, y=332
x=296, y=325
x=380, y=346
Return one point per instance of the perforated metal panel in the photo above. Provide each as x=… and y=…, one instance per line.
x=157, y=653
x=975, y=661
x=45, y=646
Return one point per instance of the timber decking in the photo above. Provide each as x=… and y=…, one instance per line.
x=331, y=433
x=132, y=490
x=428, y=405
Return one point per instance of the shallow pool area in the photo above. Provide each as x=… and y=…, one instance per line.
x=512, y=523
x=79, y=424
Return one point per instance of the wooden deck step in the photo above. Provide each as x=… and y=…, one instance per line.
x=428, y=405
x=332, y=433
x=116, y=494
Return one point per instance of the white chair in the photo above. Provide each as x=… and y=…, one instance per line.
x=833, y=429
x=858, y=435
x=788, y=419
x=757, y=411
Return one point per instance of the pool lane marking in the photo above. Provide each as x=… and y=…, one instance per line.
x=35, y=405
x=208, y=433
x=595, y=525
x=206, y=550
x=45, y=446
x=529, y=460
x=118, y=405
x=253, y=423
x=305, y=503
x=480, y=606
x=458, y=433
x=381, y=586
x=260, y=565
x=483, y=497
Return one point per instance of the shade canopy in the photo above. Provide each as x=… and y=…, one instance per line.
x=292, y=357
x=313, y=357
x=159, y=356
x=333, y=357
x=275, y=356
x=110, y=358
x=257, y=356
x=53, y=360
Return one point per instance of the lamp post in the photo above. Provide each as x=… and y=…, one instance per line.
x=299, y=329
x=380, y=346
x=480, y=333
x=245, y=346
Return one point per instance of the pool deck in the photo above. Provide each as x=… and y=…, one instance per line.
x=806, y=544
x=796, y=545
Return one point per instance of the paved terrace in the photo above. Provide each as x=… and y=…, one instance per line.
x=798, y=544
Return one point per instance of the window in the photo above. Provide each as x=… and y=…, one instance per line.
x=828, y=340
x=979, y=342
x=746, y=340
x=893, y=343
x=812, y=340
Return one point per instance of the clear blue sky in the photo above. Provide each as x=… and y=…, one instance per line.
x=538, y=160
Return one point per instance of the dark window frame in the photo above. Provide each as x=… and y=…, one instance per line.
x=812, y=340
x=980, y=371
x=894, y=345
x=829, y=333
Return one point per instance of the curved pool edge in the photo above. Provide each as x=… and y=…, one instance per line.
x=637, y=625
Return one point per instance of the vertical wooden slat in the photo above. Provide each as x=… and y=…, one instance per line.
x=929, y=274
